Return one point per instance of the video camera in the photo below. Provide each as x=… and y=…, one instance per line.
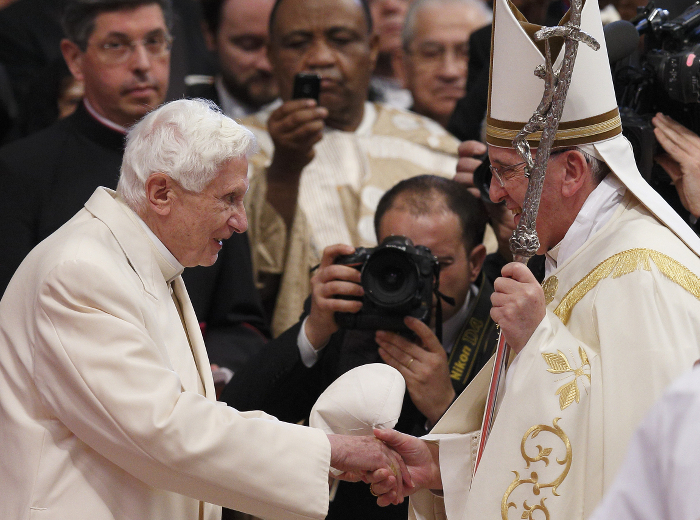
x=666, y=79
x=399, y=280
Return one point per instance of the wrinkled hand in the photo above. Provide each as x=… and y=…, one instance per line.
x=682, y=161
x=423, y=365
x=295, y=127
x=517, y=304
x=331, y=280
x=468, y=163
x=368, y=459
x=421, y=459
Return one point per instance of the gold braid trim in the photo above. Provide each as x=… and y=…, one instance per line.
x=624, y=263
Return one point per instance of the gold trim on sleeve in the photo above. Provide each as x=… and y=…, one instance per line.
x=624, y=263
x=537, y=487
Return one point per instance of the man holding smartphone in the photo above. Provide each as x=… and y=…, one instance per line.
x=325, y=164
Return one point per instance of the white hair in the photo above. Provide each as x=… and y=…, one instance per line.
x=189, y=140
x=409, y=26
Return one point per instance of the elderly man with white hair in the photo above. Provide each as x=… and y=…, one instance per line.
x=107, y=403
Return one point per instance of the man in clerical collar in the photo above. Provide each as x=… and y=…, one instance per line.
x=237, y=31
x=120, y=50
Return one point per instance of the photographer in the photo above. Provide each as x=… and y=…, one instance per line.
x=681, y=160
x=291, y=371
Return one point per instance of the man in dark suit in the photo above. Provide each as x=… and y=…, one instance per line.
x=288, y=375
x=121, y=50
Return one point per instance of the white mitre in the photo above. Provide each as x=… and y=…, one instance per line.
x=590, y=116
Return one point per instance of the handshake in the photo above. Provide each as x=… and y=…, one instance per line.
x=394, y=465
x=365, y=403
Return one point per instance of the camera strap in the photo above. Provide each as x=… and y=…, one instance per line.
x=476, y=341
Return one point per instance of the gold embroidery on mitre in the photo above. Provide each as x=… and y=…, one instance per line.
x=550, y=286
x=624, y=263
x=537, y=486
x=559, y=364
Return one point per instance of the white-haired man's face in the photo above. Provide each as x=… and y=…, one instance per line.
x=198, y=223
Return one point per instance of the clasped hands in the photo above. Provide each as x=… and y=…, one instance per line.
x=395, y=465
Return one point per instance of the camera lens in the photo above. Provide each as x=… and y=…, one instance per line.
x=390, y=279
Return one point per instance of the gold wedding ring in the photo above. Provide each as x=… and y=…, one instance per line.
x=372, y=491
x=408, y=365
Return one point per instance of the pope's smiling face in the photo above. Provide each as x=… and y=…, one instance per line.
x=201, y=221
x=550, y=229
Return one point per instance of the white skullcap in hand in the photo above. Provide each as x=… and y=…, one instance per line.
x=366, y=397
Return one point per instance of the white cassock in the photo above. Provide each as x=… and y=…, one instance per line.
x=107, y=402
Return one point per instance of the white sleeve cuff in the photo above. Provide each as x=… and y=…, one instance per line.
x=309, y=355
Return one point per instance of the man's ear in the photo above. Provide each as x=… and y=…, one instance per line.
x=160, y=193
x=576, y=173
x=74, y=58
x=476, y=262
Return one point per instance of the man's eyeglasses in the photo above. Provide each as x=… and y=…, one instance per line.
x=505, y=173
x=120, y=50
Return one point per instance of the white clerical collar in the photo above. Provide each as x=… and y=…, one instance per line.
x=102, y=119
x=452, y=327
x=177, y=267
x=595, y=213
x=230, y=105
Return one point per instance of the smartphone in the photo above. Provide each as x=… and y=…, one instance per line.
x=306, y=85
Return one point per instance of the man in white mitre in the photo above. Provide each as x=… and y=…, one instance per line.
x=614, y=322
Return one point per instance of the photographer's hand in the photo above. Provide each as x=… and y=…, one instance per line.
x=423, y=366
x=468, y=163
x=682, y=160
x=331, y=280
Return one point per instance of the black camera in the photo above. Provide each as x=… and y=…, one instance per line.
x=399, y=280
x=665, y=79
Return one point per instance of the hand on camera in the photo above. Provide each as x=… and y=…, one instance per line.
x=329, y=281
